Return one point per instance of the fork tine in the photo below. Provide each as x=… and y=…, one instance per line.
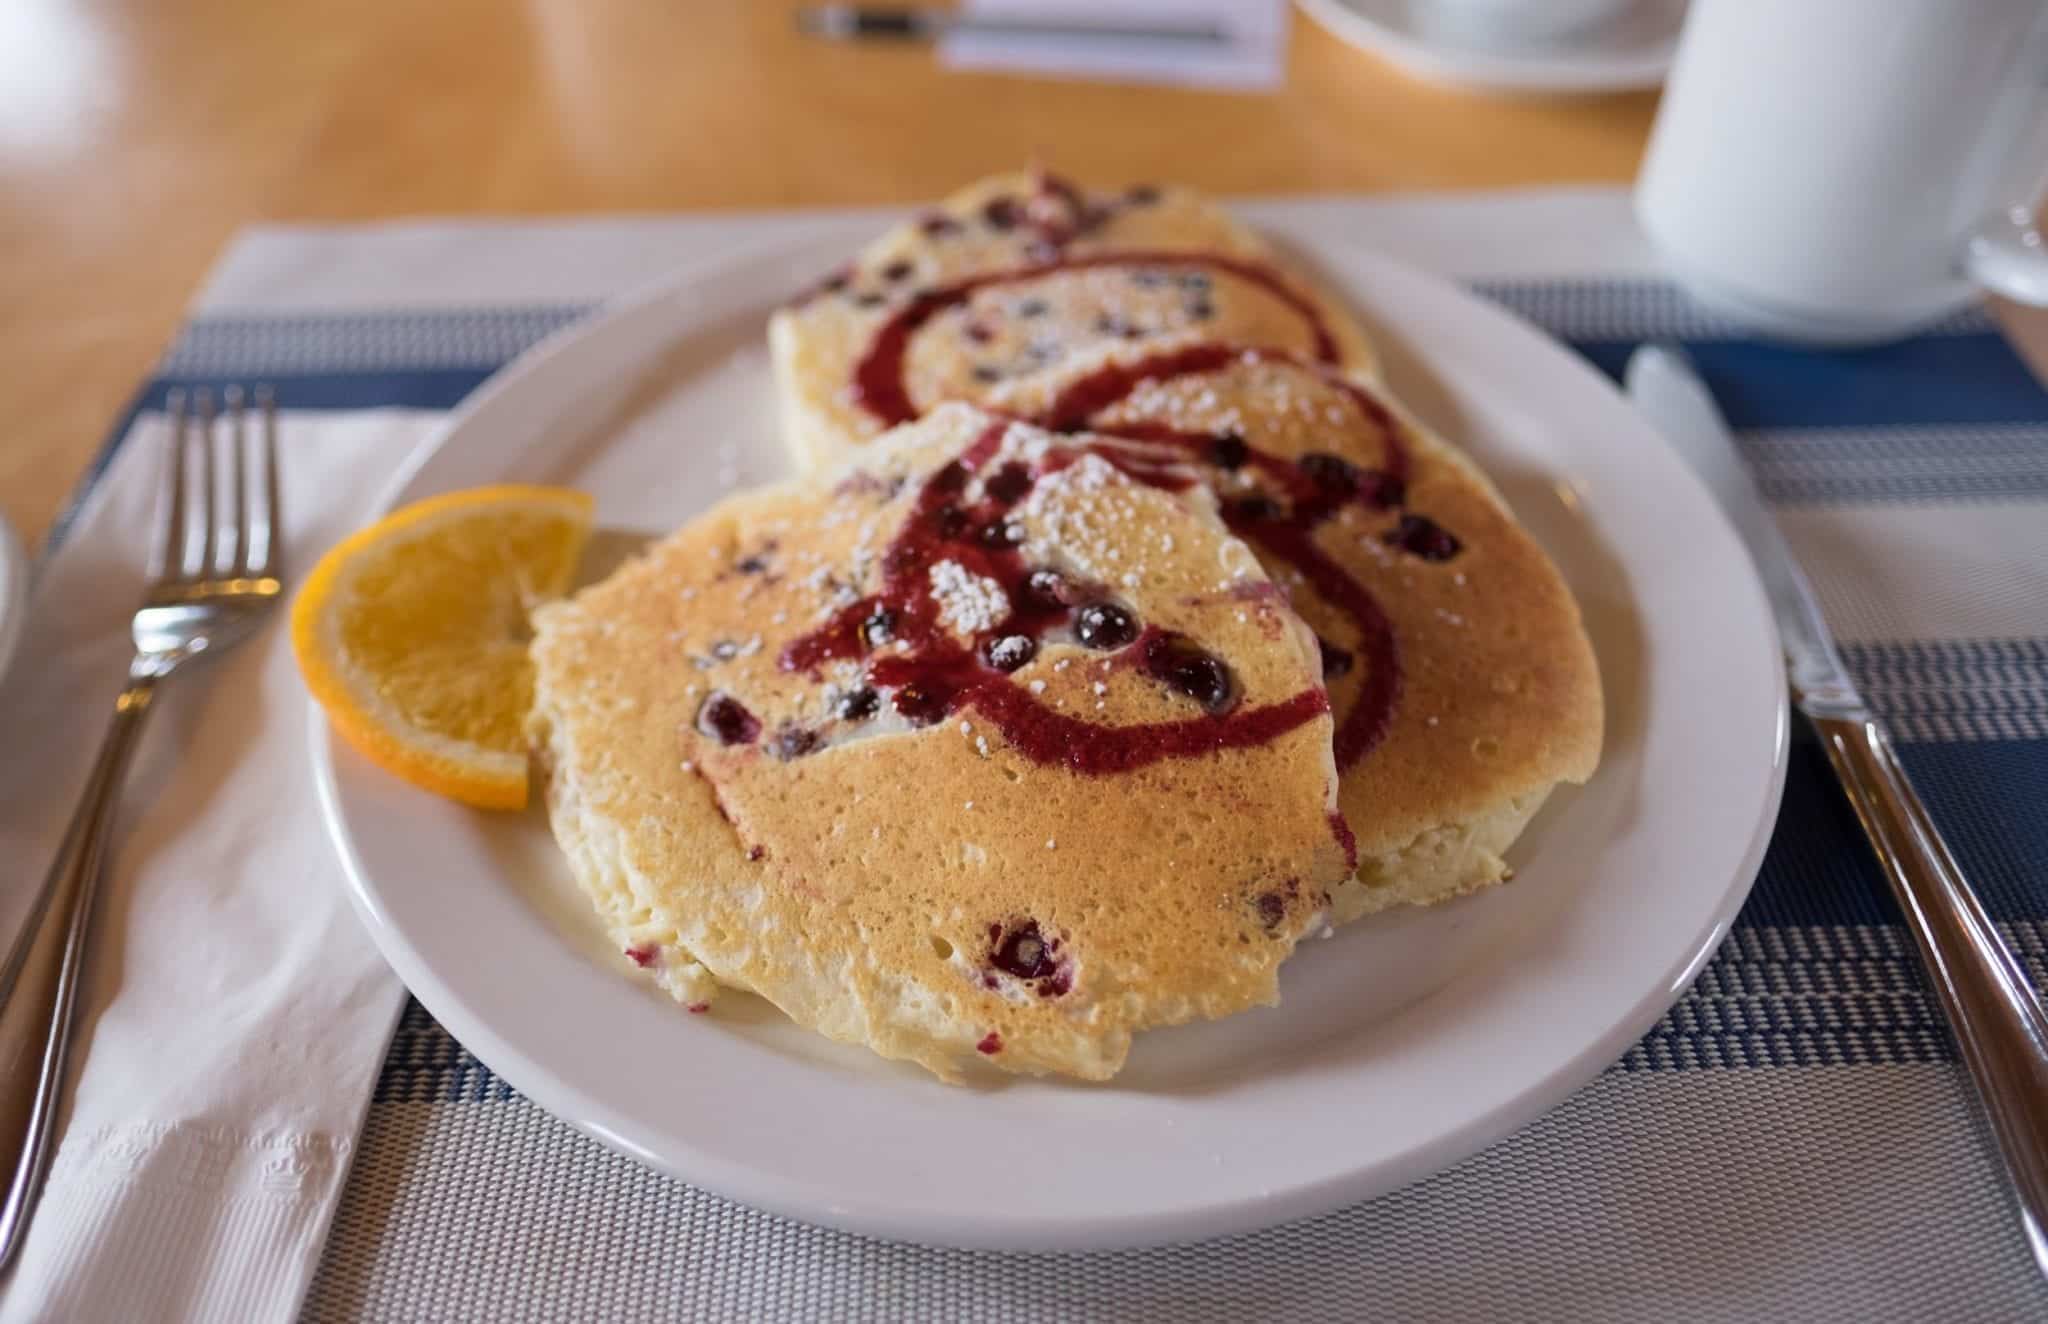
x=231, y=556
x=266, y=516
x=197, y=552
x=170, y=546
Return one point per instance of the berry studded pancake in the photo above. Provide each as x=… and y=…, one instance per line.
x=1010, y=277
x=980, y=750
x=1463, y=684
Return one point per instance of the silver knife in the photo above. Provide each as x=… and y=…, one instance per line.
x=1999, y=1024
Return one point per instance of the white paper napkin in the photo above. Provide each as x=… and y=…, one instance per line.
x=234, y=1012
x=1253, y=59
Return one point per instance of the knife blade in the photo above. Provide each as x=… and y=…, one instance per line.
x=1666, y=390
x=2000, y=1028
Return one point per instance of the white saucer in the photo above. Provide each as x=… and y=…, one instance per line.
x=1633, y=51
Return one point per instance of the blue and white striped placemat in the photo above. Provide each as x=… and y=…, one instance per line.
x=1793, y=1140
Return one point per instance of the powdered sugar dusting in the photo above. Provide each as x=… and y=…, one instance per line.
x=1081, y=514
x=968, y=603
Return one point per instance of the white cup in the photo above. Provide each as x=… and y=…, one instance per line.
x=1843, y=171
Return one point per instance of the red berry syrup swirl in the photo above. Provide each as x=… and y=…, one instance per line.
x=932, y=675
x=1312, y=487
x=878, y=383
x=1309, y=489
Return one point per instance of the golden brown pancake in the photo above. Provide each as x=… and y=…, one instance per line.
x=1463, y=683
x=1011, y=276
x=979, y=750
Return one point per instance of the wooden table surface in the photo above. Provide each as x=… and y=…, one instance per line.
x=137, y=135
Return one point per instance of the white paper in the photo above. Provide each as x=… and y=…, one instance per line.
x=1253, y=59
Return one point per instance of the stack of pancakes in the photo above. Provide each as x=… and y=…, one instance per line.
x=1121, y=633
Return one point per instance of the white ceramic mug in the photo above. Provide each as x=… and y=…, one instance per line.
x=1843, y=171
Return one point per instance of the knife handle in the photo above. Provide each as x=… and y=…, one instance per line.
x=1999, y=1024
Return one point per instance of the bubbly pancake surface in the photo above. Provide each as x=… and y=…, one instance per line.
x=979, y=750
x=1008, y=278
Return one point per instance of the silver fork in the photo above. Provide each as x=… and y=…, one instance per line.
x=215, y=572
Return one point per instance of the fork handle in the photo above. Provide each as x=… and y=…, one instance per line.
x=39, y=983
x=1999, y=1024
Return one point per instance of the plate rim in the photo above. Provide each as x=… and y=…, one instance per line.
x=751, y=1186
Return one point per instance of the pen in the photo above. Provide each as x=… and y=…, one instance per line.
x=862, y=23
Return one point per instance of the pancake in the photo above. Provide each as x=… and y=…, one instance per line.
x=978, y=750
x=1462, y=680
x=1014, y=274
x=1464, y=684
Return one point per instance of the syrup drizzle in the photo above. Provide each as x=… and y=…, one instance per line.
x=937, y=676
x=878, y=383
x=1313, y=489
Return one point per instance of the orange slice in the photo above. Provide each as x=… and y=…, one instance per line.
x=412, y=634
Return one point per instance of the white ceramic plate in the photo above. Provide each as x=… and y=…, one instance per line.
x=1631, y=50
x=1404, y=1043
